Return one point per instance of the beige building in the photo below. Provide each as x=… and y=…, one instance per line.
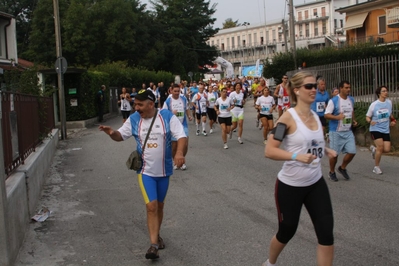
x=316, y=25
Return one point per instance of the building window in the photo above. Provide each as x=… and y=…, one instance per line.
x=300, y=30
x=299, y=16
x=222, y=48
x=232, y=42
x=238, y=41
x=315, y=12
x=335, y=23
x=255, y=39
x=217, y=43
x=243, y=43
x=267, y=36
x=213, y=43
x=324, y=25
x=249, y=39
x=307, y=29
x=306, y=14
x=261, y=40
x=316, y=30
x=274, y=35
x=323, y=11
x=382, y=25
x=341, y=23
x=228, y=43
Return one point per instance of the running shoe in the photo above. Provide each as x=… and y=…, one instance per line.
x=260, y=127
x=239, y=140
x=377, y=170
x=197, y=133
x=372, y=149
x=266, y=263
x=161, y=244
x=152, y=253
x=265, y=141
x=230, y=134
x=225, y=146
x=333, y=177
x=174, y=167
x=235, y=130
x=344, y=173
x=204, y=133
x=183, y=167
x=257, y=123
x=211, y=131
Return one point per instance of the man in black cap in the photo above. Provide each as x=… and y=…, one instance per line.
x=157, y=158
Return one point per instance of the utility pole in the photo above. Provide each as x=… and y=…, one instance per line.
x=285, y=35
x=292, y=31
x=61, y=95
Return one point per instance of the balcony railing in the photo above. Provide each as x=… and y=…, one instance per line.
x=301, y=20
x=393, y=17
x=392, y=37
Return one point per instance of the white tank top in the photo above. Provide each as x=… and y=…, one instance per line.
x=302, y=141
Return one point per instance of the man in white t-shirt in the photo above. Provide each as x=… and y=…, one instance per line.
x=157, y=158
x=340, y=112
x=200, y=103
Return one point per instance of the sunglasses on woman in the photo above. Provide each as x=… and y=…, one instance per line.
x=310, y=86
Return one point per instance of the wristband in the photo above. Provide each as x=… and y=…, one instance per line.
x=293, y=157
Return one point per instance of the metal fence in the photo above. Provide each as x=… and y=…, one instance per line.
x=26, y=121
x=365, y=76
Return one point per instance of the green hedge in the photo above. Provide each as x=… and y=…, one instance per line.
x=283, y=62
x=87, y=84
x=122, y=76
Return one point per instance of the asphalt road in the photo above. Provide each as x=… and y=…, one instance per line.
x=220, y=211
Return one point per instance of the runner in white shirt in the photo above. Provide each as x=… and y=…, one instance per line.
x=212, y=96
x=223, y=105
x=157, y=158
x=237, y=112
x=200, y=103
x=124, y=101
x=178, y=105
x=265, y=104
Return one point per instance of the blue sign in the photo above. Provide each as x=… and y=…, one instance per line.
x=252, y=71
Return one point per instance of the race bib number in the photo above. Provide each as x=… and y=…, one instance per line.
x=223, y=107
x=347, y=121
x=382, y=115
x=286, y=99
x=316, y=148
x=265, y=108
x=203, y=106
x=320, y=107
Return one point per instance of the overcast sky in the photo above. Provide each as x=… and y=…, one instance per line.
x=252, y=11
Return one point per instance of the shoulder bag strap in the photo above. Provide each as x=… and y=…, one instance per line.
x=149, y=130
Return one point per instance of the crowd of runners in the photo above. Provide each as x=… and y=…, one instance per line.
x=293, y=121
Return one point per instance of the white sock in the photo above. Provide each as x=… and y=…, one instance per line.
x=269, y=264
x=203, y=126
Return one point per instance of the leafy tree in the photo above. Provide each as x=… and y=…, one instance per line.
x=99, y=31
x=42, y=36
x=184, y=26
x=229, y=23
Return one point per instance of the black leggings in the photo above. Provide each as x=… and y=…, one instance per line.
x=316, y=198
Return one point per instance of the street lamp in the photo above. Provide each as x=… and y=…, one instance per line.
x=246, y=24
